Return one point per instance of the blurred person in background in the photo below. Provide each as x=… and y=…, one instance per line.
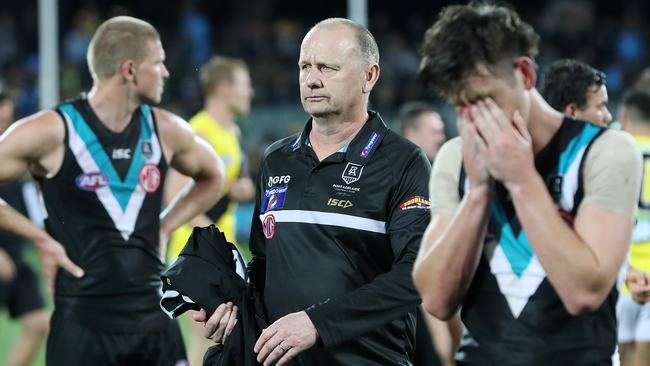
x=421, y=124
x=101, y=161
x=20, y=290
x=228, y=93
x=516, y=239
x=436, y=340
x=633, y=309
x=577, y=90
x=340, y=211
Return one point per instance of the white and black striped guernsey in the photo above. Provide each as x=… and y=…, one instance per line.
x=103, y=205
x=512, y=313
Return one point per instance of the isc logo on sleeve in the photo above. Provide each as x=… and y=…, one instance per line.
x=279, y=179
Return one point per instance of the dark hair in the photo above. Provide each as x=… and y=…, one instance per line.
x=409, y=113
x=568, y=81
x=5, y=97
x=637, y=104
x=465, y=36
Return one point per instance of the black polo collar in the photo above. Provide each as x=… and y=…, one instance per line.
x=362, y=146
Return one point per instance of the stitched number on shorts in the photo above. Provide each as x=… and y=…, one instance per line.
x=644, y=198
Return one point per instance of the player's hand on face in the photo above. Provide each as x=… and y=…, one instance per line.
x=284, y=339
x=220, y=324
x=473, y=161
x=638, y=282
x=507, y=145
x=53, y=256
x=7, y=267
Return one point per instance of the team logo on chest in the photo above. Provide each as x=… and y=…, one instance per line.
x=268, y=226
x=149, y=178
x=352, y=173
x=147, y=149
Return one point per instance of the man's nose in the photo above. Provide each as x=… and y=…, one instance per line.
x=313, y=79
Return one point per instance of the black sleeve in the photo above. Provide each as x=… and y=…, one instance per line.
x=390, y=295
x=257, y=266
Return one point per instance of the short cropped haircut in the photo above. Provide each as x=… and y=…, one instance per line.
x=367, y=44
x=636, y=102
x=568, y=81
x=466, y=36
x=116, y=40
x=217, y=70
x=409, y=114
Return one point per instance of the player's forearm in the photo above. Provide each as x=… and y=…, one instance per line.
x=15, y=223
x=450, y=253
x=388, y=297
x=193, y=200
x=570, y=264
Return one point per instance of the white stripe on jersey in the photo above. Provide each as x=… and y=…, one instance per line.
x=327, y=218
x=124, y=220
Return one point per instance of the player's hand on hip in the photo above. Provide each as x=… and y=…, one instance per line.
x=471, y=147
x=53, y=256
x=507, y=145
x=7, y=267
x=220, y=324
x=284, y=339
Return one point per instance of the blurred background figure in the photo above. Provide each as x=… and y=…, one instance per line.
x=20, y=290
x=578, y=90
x=421, y=124
x=435, y=340
x=228, y=93
x=634, y=316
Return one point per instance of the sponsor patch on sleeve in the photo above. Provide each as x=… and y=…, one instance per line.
x=274, y=198
x=420, y=202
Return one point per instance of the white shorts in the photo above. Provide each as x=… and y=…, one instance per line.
x=633, y=320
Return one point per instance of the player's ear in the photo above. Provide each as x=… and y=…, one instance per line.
x=570, y=110
x=127, y=69
x=527, y=68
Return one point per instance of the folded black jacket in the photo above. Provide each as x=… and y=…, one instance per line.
x=205, y=275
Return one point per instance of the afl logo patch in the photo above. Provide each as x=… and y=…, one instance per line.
x=268, y=226
x=91, y=181
x=149, y=178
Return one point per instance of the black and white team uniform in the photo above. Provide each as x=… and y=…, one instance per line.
x=103, y=206
x=338, y=239
x=512, y=313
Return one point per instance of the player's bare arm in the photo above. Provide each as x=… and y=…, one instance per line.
x=453, y=241
x=193, y=157
x=34, y=143
x=582, y=261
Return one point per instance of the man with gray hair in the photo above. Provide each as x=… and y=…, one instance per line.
x=340, y=211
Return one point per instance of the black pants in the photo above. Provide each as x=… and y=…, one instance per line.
x=72, y=344
x=23, y=294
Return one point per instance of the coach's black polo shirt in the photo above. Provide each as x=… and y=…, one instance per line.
x=338, y=239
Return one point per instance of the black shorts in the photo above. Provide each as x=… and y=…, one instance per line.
x=72, y=344
x=23, y=294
